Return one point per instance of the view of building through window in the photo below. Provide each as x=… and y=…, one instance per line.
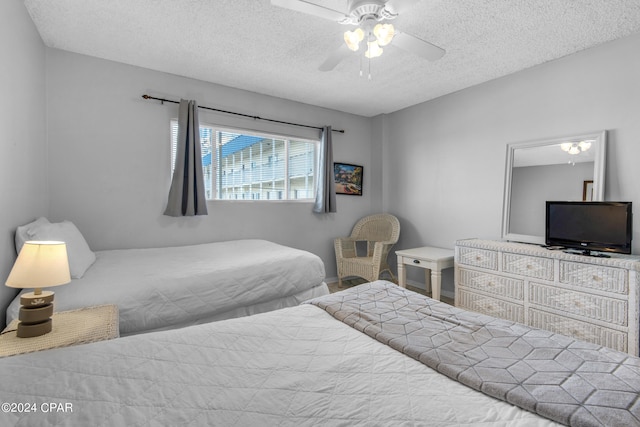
x=242, y=166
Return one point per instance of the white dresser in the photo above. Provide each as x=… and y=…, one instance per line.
x=589, y=298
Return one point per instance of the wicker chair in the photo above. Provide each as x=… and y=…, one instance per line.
x=381, y=232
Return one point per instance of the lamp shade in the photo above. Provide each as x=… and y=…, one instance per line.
x=566, y=146
x=353, y=38
x=584, y=145
x=384, y=33
x=373, y=50
x=40, y=265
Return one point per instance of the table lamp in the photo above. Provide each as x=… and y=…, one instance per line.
x=39, y=265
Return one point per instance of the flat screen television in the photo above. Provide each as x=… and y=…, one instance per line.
x=591, y=227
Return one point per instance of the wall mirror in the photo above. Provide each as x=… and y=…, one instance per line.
x=564, y=168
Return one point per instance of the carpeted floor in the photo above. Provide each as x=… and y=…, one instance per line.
x=333, y=287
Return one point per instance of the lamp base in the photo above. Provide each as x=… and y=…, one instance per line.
x=29, y=331
x=33, y=300
x=35, y=314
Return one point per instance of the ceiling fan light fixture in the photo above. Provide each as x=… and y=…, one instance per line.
x=353, y=38
x=373, y=50
x=575, y=147
x=365, y=15
x=384, y=33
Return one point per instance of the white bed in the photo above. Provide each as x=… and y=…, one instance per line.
x=292, y=367
x=163, y=288
x=360, y=357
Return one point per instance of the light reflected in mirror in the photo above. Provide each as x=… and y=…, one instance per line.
x=564, y=168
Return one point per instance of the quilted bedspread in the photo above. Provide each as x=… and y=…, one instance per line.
x=292, y=367
x=560, y=378
x=160, y=288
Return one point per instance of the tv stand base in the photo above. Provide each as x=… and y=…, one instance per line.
x=586, y=252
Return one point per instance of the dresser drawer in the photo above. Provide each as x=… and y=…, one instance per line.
x=478, y=258
x=577, y=329
x=529, y=266
x=595, y=277
x=489, y=305
x=491, y=283
x=609, y=310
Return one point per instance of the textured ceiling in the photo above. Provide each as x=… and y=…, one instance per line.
x=251, y=45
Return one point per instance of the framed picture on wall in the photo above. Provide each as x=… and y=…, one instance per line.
x=587, y=191
x=348, y=179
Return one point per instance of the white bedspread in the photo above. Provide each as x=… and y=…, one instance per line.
x=292, y=367
x=159, y=288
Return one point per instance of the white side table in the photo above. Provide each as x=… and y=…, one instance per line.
x=433, y=260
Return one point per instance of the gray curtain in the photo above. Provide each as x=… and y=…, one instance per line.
x=186, y=195
x=326, y=188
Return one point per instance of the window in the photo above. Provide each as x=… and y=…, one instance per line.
x=238, y=165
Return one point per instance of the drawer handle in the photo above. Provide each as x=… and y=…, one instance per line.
x=416, y=261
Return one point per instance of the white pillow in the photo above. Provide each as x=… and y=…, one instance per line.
x=22, y=232
x=80, y=255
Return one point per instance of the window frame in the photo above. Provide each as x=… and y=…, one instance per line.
x=216, y=161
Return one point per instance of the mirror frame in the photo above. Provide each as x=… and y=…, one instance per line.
x=599, y=166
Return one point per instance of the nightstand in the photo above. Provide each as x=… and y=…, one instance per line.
x=71, y=327
x=433, y=260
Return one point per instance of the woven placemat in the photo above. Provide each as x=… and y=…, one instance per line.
x=71, y=327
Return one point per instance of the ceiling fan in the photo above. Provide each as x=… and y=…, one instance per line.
x=370, y=17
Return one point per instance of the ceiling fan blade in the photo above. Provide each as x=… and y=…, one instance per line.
x=400, y=6
x=417, y=46
x=310, y=9
x=335, y=58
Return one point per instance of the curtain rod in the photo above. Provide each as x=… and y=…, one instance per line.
x=162, y=100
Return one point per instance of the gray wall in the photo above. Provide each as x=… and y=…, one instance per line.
x=444, y=160
x=110, y=160
x=23, y=149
